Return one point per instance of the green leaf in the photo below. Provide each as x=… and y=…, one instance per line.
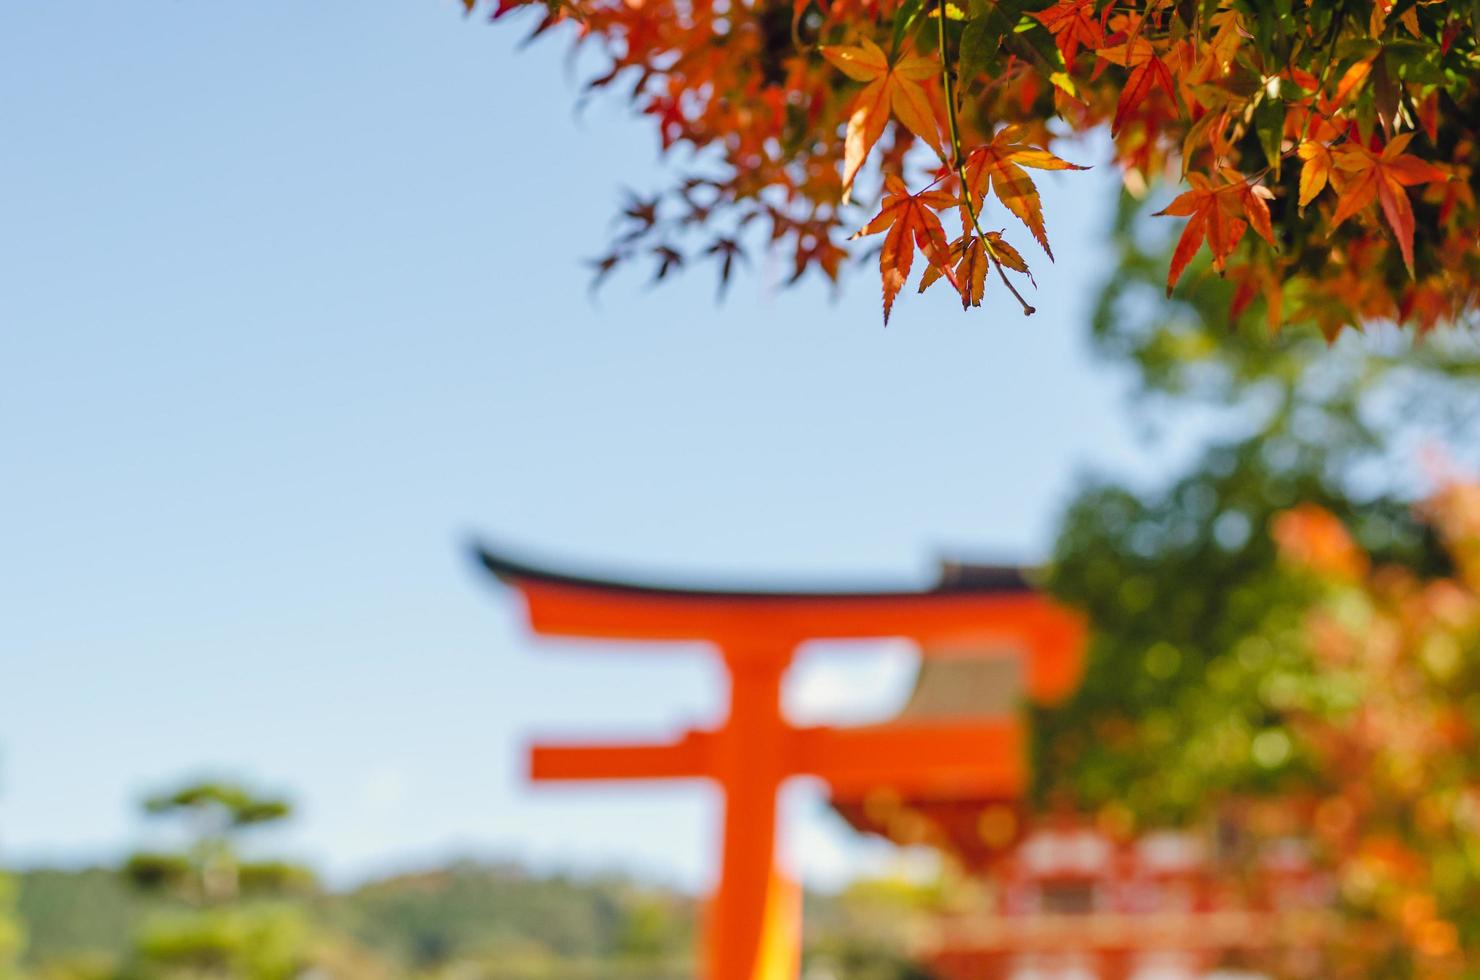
x=904, y=19
x=1269, y=124
x=981, y=41
x=1414, y=61
x=1030, y=40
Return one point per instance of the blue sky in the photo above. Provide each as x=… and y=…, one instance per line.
x=292, y=303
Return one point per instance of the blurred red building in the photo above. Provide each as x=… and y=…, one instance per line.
x=1054, y=897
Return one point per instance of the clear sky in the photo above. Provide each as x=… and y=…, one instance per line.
x=292, y=304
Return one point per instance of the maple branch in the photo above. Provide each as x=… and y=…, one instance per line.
x=945, y=79
x=958, y=160
x=992, y=253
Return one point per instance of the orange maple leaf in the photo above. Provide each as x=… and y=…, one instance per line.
x=973, y=256
x=1008, y=256
x=894, y=87
x=971, y=270
x=1316, y=170
x=1361, y=176
x=1072, y=23
x=1351, y=81
x=1223, y=47
x=911, y=221
x=1220, y=215
x=1001, y=161
x=1313, y=537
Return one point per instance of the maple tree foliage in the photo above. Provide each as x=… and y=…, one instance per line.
x=1343, y=133
x=1394, y=732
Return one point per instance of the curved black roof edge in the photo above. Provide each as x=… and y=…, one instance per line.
x=956, y=579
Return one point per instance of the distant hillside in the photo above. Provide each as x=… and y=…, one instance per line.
x=67, y=913
x=497, y=921
x=503, y=913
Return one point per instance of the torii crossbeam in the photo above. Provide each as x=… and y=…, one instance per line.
x=754, y=928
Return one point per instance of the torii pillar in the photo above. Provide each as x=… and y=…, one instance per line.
x=754, y=922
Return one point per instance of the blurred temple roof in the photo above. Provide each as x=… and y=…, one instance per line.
x=956, y=578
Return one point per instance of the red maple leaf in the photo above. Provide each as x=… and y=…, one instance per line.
x=1148, y=72
x=1361, y=176
x=1072, y=23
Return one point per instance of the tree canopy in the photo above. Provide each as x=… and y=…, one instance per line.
x=1284, y=646
x=1341, y=133
x=210, y=869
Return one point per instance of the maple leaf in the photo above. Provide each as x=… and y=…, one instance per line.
x=789, y=121
x=1225, y=43
x=604, y=267
x=1148, y=72
x=971, y=265
x=895, y=87
x=1220, y=215
x=1361, y=176
x=1254, y=279
x=1008, y=256
x=1001, y=163
x=1316, y=171
x=1252, y=198
x=1072, y=23
x=973, y=257
x=668, y=260
x=911, y=221
x=817, y=248
x=644, y=214
x=1350, y=82
x=727, y=250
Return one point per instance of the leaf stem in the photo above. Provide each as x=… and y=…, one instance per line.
x=958, y=159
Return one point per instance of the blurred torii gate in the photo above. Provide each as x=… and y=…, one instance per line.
x=754, y=922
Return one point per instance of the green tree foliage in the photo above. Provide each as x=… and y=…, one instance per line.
x=1194, y=616
x=257, y=943
x=210, y=870
x=219, y=915
x=1195, y=622
x=501, y=914
x=12, y=938
x=80, y=915
x=863, y=933
x=492, y=922
x=1202, y=687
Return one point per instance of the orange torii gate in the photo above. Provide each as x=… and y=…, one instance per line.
x=753, y=930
